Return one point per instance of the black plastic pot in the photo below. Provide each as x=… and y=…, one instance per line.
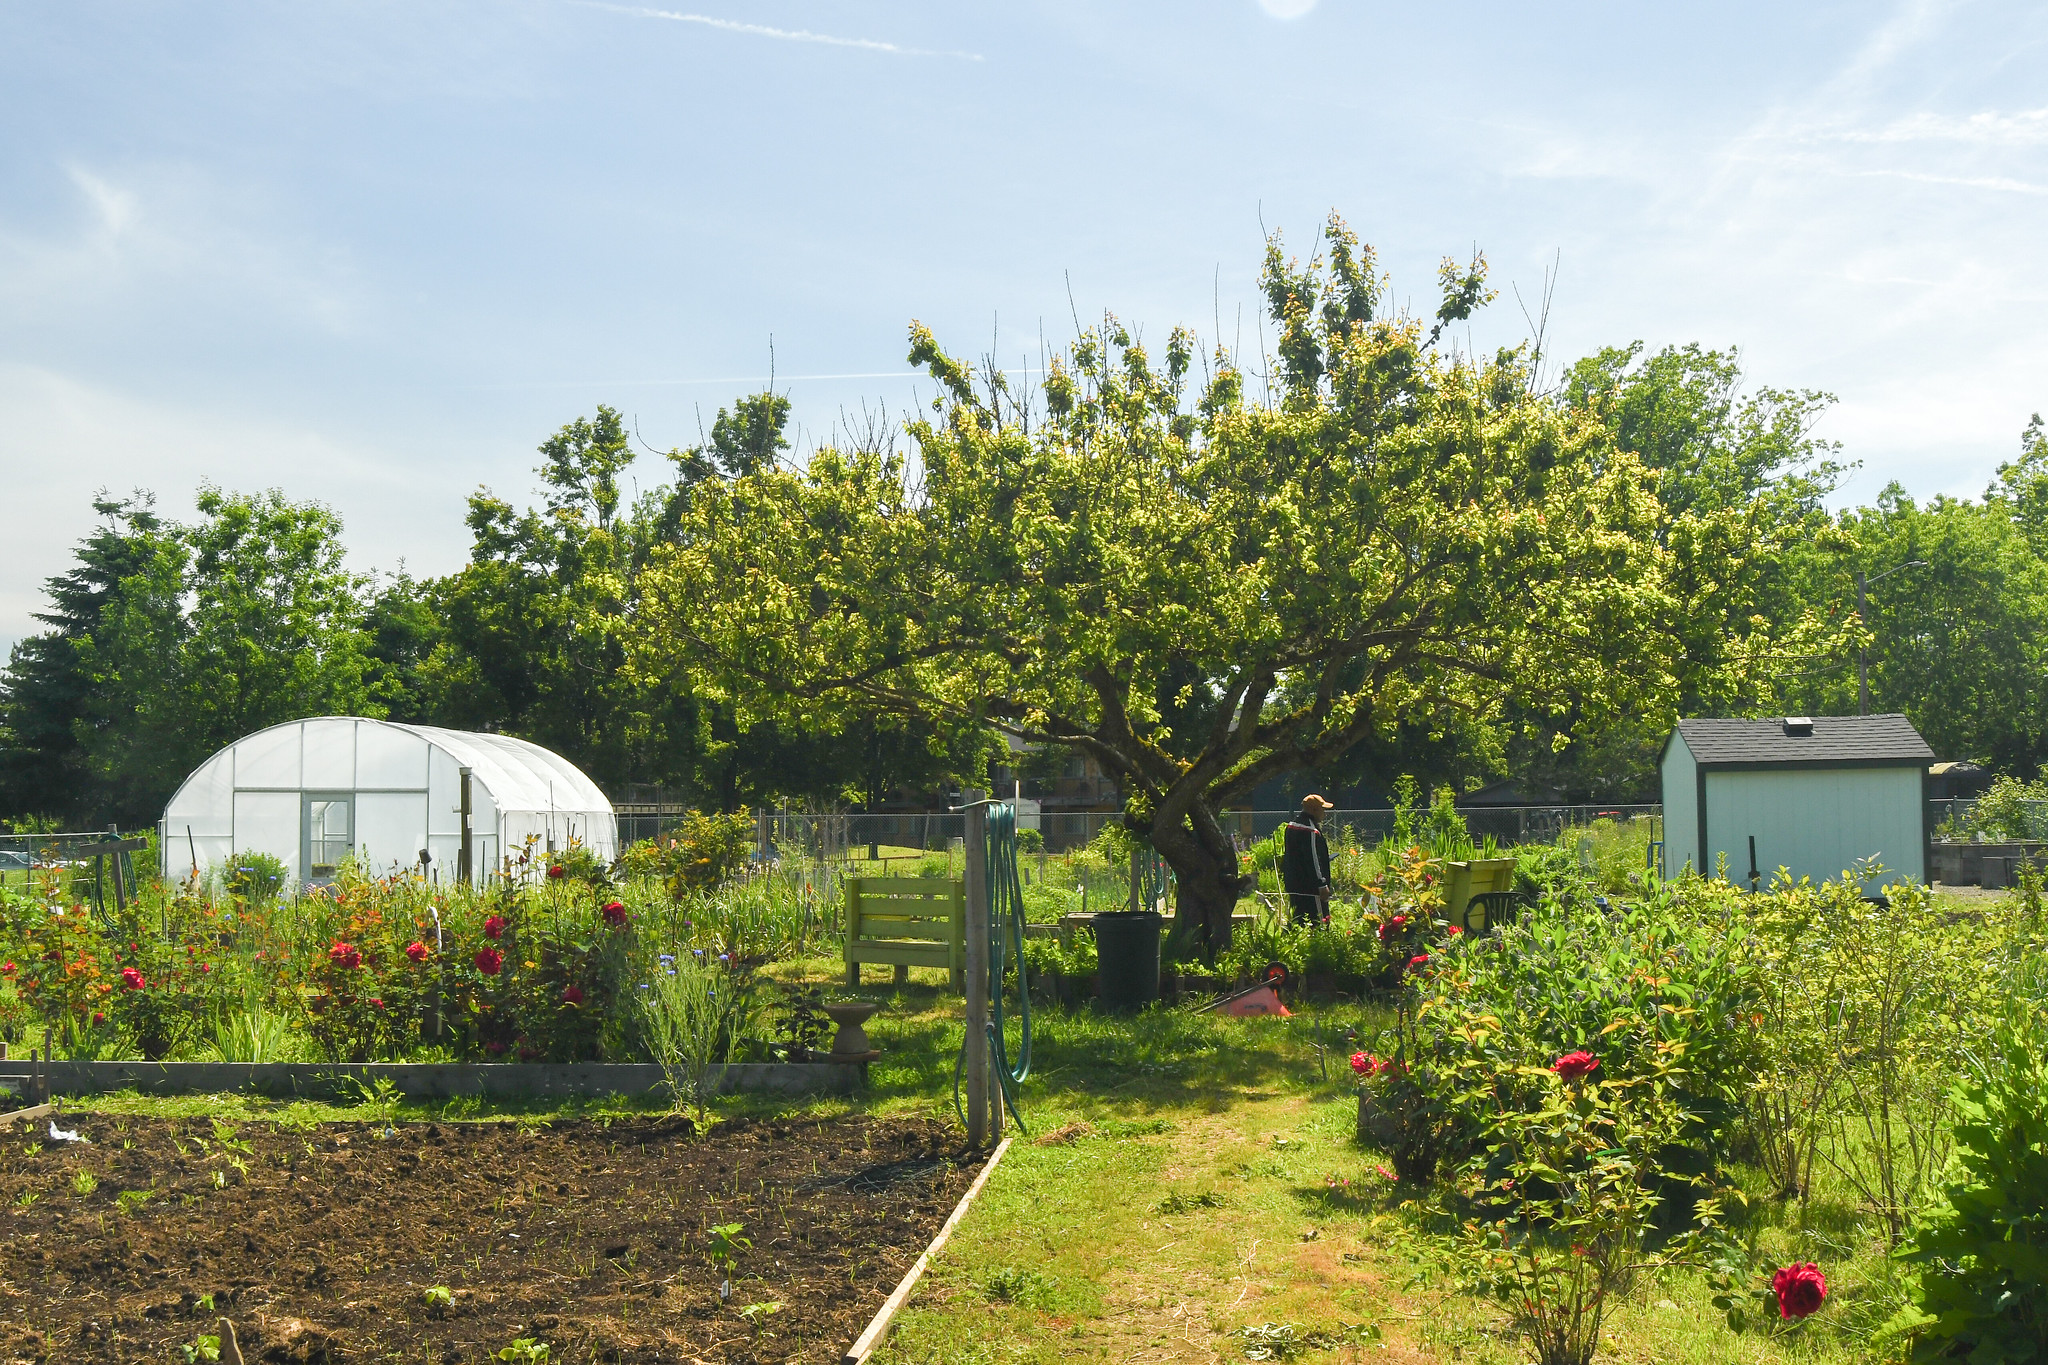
x=1127, y=958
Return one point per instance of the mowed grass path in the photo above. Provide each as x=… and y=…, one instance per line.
x=1188, y=1176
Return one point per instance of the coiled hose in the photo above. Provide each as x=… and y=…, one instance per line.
x=1005, y=944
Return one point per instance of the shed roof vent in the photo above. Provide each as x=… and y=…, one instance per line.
x=1798, y=725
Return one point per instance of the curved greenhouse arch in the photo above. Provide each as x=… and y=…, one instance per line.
x=309, y=792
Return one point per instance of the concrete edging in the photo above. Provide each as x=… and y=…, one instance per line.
x=430, y=1080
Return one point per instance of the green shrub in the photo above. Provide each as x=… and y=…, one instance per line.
x=2010, y=809
x=254, y=877
x=1662, y=979
x=1983, y=1253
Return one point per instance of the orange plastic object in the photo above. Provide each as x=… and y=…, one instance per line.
x=1264, y=1000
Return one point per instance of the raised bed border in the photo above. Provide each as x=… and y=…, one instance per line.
x=878, y=1326
x=424, y=1080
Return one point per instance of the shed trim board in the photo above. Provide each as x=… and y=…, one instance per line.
x=1908, y=753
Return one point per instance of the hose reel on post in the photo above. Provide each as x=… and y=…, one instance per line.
x=998, y=883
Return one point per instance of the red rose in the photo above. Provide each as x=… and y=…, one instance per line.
x=132, y=979
x=1801, y=1289
x=488, y=960
x=494, y=926
x=1364, y=1065
x=614, y=913
x=205, y=967
x=1575, y=1066
x=1418, y=962
x=417, y=951
x=572, y=995
x=8, y=970
x=556, y=872
x=1454, y=929
x=98, y=1018
x=345, y=956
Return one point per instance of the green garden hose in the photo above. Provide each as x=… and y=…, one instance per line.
x=1005, y=944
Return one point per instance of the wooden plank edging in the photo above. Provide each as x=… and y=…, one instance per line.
x=423, y=1080
x=858, y=1353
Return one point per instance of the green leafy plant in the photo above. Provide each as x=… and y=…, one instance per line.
x=1982, y=1252
x=1562, y=1199
x=84, y=1183
x=692, y=1011
x=200, y=1348
x=438, y=1298
x=722, y=1245
x=523, y=1351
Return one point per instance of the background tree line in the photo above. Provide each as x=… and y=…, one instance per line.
x=164, y=640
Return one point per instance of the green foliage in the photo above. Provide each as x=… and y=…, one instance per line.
x=2009, y=810
x=1146, y=551
x=245, y=618
x=693, y=1013
x=1983, y=1251
x=700, y=856
x=1564, y=1192
x=723, y=1245
x=1658, y=980
x=1864, y=1015
x=255, y=876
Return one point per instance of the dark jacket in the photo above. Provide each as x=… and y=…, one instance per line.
x=1304, y=860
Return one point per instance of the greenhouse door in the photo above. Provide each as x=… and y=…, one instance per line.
x=329, y=834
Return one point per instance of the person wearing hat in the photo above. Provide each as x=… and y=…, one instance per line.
x=1305, y=863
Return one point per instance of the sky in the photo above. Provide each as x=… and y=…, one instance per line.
x=373, y=253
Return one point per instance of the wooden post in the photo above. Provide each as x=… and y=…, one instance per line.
x=462, y=858
x=977, y=1068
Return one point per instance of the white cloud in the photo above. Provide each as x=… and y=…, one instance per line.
x=2028, y=128
x=170, y=230
x=790, y=35
x=63, y=436
x=1287, y=9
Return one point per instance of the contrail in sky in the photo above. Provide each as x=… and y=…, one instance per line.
x=792, y=35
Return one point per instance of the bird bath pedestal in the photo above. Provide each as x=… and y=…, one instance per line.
x=850, y=1044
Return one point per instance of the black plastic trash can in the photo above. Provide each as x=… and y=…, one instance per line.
x=1127, y=958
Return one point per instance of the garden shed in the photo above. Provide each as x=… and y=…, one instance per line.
x=1809, y=794
x=311, y=792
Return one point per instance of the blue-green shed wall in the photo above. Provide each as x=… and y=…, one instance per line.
x=1681, y=809
x=1814, y=822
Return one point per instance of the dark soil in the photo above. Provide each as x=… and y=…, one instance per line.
x=320, y=1244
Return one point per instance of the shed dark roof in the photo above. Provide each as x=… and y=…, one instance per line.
x=1835, y=739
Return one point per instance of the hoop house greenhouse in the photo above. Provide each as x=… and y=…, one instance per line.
x=312, y=792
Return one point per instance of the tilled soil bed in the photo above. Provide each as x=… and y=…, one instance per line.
x=322, y=1244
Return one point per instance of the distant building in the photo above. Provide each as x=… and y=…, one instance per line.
x=1810, y=795
x=1509, y=792
x=1957, y=781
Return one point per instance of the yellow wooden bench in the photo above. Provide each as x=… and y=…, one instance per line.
x=906, y=922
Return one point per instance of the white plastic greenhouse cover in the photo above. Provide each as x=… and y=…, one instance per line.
x=308, y=789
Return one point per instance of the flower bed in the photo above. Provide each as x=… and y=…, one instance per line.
x=556, y=967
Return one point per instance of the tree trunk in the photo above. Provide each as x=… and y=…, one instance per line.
x=1206, y=879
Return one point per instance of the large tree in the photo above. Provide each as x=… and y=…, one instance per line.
x=1401, y=536
x=48, y=696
